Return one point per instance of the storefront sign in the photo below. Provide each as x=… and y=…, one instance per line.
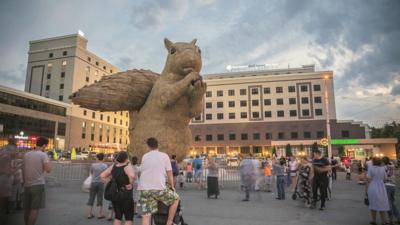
x=324, y=142
x=344, y=141
x=19, y=137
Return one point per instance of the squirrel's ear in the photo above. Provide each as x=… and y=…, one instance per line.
x=167, y=43
x=193, y=42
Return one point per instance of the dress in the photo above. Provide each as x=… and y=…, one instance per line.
x=377, y=194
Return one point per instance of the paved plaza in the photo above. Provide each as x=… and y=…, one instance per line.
x=66, y=202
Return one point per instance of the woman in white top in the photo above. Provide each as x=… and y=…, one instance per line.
x=293, y=172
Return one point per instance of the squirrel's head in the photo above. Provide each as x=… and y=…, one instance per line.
x=183, y=58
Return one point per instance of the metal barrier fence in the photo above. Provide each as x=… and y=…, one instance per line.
x=68, y=171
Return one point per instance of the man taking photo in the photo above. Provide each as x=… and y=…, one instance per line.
x=155, y=167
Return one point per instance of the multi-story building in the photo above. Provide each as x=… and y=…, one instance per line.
x=59, y=66
x=255, y=110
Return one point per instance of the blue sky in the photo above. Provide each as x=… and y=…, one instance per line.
x=356, y=39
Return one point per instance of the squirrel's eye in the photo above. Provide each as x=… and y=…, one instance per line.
x=173, y=50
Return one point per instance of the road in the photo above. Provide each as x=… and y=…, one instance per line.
x=66, y=203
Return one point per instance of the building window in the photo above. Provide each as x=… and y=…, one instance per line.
x=87, y=79
x=244, y=136
x=208, y=105
x=209, y=137
x=97, y=63
x=307, y=135
x=320, y=134
x=208, y=116
x=111, y=71
x=243, y=115
x=268, y=136
x=267, y=90
x=317, y=87
x=93, y=115
x=306, y=112
x=101, y=116
x=92, y=132
x=256, y=136
x=267, y=114
x=232, y=116
x=89, y=59
x=197, y=138
x=51, y=55
x=61, y=86
x=317, y=99
x=254, y=102
x=231, y=104
x=48, y=75
x=243, y=103
x=267, y=101
x=345, y=134
x=304, y=88
x=304, y=100
x=281, y=135
x=65, y=53
x=220, y=116
x=220, y=104
x=242, y=91
x=280, y=113
x=220, y=93
x=231, y=92
x=254, y=91
x=62, y=74
x=292, y=101
x=256, y=115
x=104, y=68
x=318, y=112
x=294, y=135
x=232, y=137
x=47, y=87
x=115, y=120
x=61, y=98
x=64, y=63
x=120, y=122
x=84, y=112
x=208, y=94
x=279, y=90
x=83, y=130
x=220, y=137
x=291, y=89
x=293, y=113
x=279, y=101
x=108, y=118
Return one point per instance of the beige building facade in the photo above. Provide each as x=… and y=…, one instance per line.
x=59, y=66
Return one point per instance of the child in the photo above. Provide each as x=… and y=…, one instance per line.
x=348, y=173
x=181, y=179
x=189, y=173
x=267, y=175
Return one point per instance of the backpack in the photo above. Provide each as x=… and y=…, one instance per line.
x=112, y=192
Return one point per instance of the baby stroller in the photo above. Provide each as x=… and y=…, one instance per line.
x=303, y=187
x=160, y=218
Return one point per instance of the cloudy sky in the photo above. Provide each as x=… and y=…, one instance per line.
x=357, y=39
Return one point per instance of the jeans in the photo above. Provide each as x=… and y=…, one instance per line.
x=280, y=186
x=391, y=190
x=96, y=189
x=320, y=182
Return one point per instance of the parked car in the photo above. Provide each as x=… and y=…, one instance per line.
x=84, y=155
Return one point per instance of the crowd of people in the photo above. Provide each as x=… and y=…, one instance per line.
x=130, y=187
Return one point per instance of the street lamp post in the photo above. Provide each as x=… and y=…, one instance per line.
x=328, y=124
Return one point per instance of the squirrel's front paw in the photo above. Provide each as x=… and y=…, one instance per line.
x=199, y=87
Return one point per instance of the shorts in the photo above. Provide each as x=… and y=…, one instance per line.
x=268, y=180
x=34, y=197
x=198, y=174
x=96, y=191
x=150, y=198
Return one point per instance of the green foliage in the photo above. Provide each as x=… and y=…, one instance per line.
x=341, y=151
x=389, y=130
x=274, y=151
x=288, y=150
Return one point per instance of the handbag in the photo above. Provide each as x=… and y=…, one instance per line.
x=366, y=200
x=86, y=184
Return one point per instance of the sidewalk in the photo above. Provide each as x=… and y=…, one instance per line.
x=65, y=205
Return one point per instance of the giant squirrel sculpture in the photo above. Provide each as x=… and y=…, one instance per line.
x=160, y=106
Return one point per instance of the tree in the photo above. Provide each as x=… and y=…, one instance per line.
x=389, y=130
x=274, y=151
x=341, y=151
x=288, y=150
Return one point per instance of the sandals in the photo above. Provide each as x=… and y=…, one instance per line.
x=101, y=217
x=90, y=217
